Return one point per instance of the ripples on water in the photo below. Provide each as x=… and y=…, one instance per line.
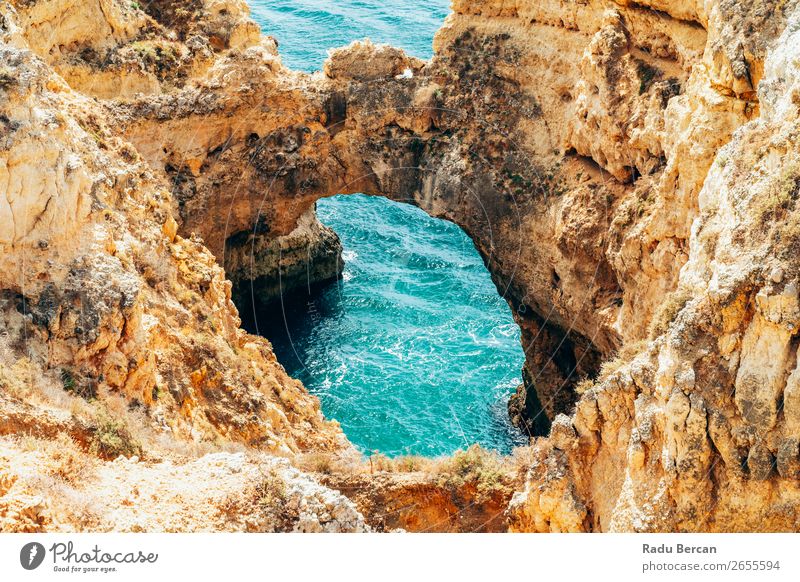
x=306, y=29
x=413, y=352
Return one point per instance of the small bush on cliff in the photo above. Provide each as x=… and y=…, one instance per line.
x=625, y=354
x=477, y=467
x=668, y=311
x=157, y=56
x=379, y=462
x=271, y=500
x=317, y=462
x=112, y=438
x=67, y=380
x=82, y=387
x=265, y=505
x=270, y=490
x=773, y=205
x=410, y=463
x=584, y=385
x=155, y=269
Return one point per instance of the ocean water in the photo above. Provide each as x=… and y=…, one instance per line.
x=306, y=29
x=413, y=351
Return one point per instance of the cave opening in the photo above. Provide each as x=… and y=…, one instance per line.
x=411, y=349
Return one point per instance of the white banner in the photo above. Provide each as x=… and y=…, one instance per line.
x=414, y=557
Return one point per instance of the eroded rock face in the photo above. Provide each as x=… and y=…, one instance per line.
x=702, y=421
x=289, y=268
x=408, y=137
x=570, y=142
x=627, y=171
x=97, y=285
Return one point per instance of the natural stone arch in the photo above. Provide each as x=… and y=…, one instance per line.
x=672, y=409
x=248, y=158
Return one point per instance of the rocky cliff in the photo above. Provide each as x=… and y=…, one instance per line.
x=627, y=170
x=111, y=322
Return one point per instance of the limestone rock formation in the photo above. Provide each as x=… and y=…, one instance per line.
x=287, y=268
x=97, y=285
x=627, y=170
x=218, y=492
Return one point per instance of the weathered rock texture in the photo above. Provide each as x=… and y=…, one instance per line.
x=97, y=285
x=286, y=268
x=627, y=170
x=217, y=492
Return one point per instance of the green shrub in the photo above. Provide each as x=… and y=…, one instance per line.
x=67, y=380
x=477, y=466
x=111, y=438
x=85, y=388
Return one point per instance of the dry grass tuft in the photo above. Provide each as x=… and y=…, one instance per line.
x=138, y=428
x=270, y=491
x=66, y=461
x=264, y=506
x=27, y=381
x=485, y=471
x=523, y=459
x=72, y=505
x=625, y=354
x=781, y=195
x=411, y=464
x=584, y=385
x=668, y=311
x=317, y=462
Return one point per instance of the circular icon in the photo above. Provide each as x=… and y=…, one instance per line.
x=31, y=555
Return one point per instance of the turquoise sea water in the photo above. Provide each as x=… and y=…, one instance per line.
x=413, y=352
x=306, y=29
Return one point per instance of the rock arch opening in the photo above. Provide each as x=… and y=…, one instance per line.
x=246, y=179
x=413, y=351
